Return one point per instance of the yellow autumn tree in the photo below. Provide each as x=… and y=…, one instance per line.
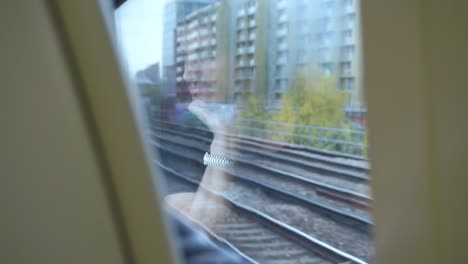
x=313, y=101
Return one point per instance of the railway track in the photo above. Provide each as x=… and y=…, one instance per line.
x=346, y=203
x=176, y=157
x=258, y=236
x=333, y=171
x=340, y=164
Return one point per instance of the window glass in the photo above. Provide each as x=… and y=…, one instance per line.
x=256, y=117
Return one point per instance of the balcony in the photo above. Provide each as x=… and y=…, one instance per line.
x=193, y=35
x=349, y=8
x=241, y=63
x=242, y=38
x=282, y=32
x=193, y=46
x=245, y=76
x=281, y=75
x=283, y=18
x=241, y=25
x=324, y=57
x=348, y=40
x=251, y=36
x=204, y=32
x=241, y=12
x=282, y=46
x=193, y=24
x=346, y=73
x=180, y=49
x=180, y=59
x=193, y=56
x=348, y=57
x=282, y=60
x=252, y=23
x=180, y=30
x=281, y=4
x=252, y=10
x=281, y=89
x=241, y=50
x=204, y=55
x=251, y=49
x=252, y=62
x=213, y=42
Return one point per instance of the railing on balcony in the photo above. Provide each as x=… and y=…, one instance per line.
x=282, y=32
x=193, y=46
x=242, y=38
x=283, y=18
x=282, y=60
x=282, y=46
x=347, y=40
x=193, y=24
x=281, y=4
x=241, y=63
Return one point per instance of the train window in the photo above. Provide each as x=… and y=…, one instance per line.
x=256, y=117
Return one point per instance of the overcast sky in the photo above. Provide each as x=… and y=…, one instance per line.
x=139, y=24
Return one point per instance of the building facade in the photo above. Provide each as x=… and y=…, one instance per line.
x=174, y=11
x=258, y=47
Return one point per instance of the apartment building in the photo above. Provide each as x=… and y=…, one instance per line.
x=261, y=45
x=323, y=33
x=174, y=11
x=248, y=57
x=202, y=51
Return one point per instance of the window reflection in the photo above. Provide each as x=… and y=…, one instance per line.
x=259, y=118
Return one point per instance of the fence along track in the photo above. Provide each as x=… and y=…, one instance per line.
x=285, y=145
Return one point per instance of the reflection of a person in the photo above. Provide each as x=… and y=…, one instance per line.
x=203, y=97
x=194, y=204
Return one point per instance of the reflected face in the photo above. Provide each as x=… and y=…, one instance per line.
x=198, y=77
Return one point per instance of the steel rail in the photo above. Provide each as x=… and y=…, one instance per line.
x=361, y=223
x=303, y=239
x=355, y=198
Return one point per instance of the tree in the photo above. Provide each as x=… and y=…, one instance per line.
x=253, y=109
x=314, y=101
